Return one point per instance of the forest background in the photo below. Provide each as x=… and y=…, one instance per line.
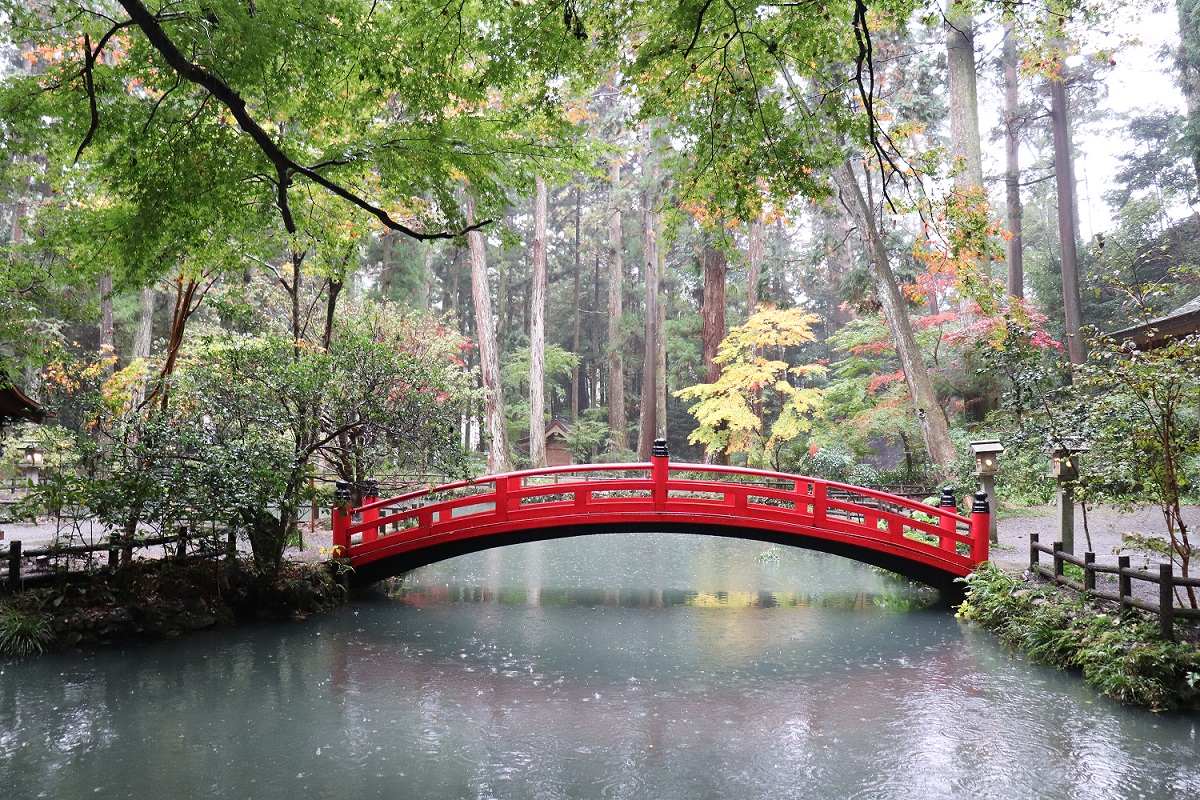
x=253, y=245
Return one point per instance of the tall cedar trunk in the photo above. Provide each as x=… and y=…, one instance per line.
x=616, y=345
x=712, y=321
x=934, y=430
x=575, y=315
x=647, y=422
x=1012, y=164
x=387, y=263
x=107, y=351
x=596, y=373
x=1064, y=181
x=18, y=215
x=964, y=96
x=537, y=333
x=660, y=374
x=712, y=309
x=426, y=277
x=489, y=358
x=143, y=338
x=1188, y=63
x=965, y=149
x=754, y=257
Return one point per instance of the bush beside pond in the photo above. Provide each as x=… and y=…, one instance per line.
x=1125, y=658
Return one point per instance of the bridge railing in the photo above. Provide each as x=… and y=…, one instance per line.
x=661, y=488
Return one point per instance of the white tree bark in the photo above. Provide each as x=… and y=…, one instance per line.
x=537, y=333
x=616, y=346
x=489, y=357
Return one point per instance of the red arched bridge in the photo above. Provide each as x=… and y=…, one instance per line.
x=930, y=544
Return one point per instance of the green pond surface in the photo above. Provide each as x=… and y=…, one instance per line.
x=619, y=666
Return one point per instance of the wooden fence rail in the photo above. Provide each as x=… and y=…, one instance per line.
x=19, y=561
x=1165, y=577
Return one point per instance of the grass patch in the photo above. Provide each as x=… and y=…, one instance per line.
x=23, y=633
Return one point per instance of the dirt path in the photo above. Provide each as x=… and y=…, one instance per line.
x=1106, y=526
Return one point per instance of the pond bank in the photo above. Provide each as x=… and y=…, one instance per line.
x=1123, y=657
x=156, y=599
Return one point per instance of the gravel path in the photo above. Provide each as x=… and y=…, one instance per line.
x=1106, y=526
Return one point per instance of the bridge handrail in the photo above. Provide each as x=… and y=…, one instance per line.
x=485, y=479
x=674, y=466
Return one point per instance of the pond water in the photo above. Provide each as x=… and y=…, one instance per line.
x=620, y=666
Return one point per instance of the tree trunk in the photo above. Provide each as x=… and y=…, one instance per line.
x=1188, y=63
x=1064, y=181
x=712, y=309
x=537, y=333
x=616, y=344
x=107, y=351
x=934, y=430
x=575, y=315
x=660, y=373
x=1012, y=163
x=489, y=358
x=964, y=96
x=144, y=336
x=754, y=259
x=647, y=422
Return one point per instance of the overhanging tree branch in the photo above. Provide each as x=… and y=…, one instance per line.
x=285, y=166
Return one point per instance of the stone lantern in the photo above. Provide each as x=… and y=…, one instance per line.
x=987, y=461
x=1064, y=468
x=32, y=464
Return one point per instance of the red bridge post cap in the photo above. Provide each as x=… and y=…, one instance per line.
x=659, y=450
x=980, y=505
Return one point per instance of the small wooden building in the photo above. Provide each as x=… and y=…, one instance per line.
x=14, y=405
x=558, y=453
x=1181, y=322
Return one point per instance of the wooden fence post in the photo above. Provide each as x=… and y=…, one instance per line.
x=14, y=565
x=1166, y=600
x=1058, y=561
x=1089, y=572
x=1033, y=551
x=1124, y=584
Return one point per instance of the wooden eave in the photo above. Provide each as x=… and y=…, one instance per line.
x=14, y=404
x=1182, y=322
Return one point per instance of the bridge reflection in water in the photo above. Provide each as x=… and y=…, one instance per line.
x=929, y=544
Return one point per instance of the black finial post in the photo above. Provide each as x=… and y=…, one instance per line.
x=948, y=500
x=660, y=449
x=980, y=506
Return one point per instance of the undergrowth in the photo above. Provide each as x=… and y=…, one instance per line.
x=23, y=633
x=1124, y=658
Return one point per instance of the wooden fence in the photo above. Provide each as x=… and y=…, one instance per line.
x=42, y=565
x=1165, y=609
